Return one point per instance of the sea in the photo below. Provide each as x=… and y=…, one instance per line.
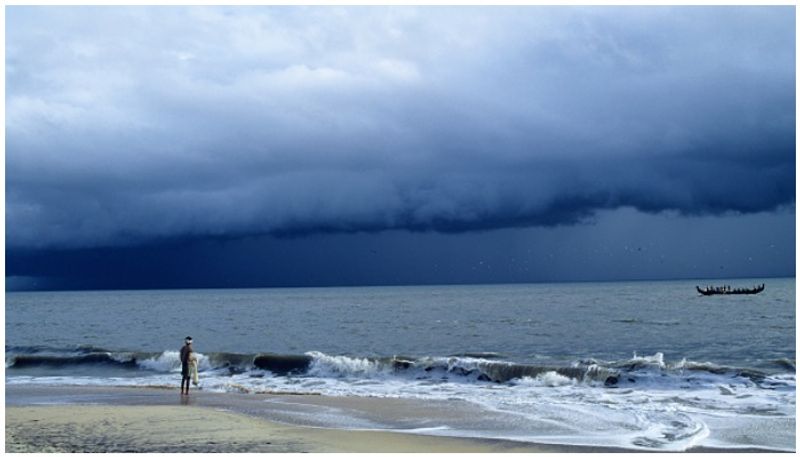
x=631, y=365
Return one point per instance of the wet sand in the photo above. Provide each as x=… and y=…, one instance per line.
x=89, y=419
x=98, y=419
x=98, y=428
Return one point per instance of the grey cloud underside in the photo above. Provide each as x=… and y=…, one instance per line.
x=148, y=124
x=369, y=201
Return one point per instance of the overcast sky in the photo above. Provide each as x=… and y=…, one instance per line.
x=268, y=146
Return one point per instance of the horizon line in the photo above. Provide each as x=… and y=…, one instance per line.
x=444, y=284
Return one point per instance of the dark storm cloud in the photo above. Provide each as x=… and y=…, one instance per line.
x=127, y=125
x=620, y=243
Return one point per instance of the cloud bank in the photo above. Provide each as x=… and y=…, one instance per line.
x=132, y=125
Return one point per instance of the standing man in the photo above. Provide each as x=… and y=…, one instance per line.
x=186, y=353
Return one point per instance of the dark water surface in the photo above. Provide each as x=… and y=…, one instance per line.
x=522, y=322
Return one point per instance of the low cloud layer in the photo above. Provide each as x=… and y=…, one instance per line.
x=131, y=125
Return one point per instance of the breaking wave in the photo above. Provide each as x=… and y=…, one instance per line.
x=640, y=370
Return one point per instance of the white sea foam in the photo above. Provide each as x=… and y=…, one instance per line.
x=170, y=361
x=327, y=365
x=548, y=379
x=655, y=360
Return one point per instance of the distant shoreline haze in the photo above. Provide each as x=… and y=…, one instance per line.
x=30, y=284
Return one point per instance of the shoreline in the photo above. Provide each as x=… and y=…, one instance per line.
x=121, y=419
x=124, y=419
x=103, y=428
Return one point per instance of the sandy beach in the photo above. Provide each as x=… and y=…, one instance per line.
x=103, y=419
x=50, y=419
x=98, y=428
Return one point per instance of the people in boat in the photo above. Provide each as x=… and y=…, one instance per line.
x=727, y=289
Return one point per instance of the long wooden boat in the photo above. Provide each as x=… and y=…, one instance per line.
x=726, y=290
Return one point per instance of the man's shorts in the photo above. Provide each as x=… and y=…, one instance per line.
x=185, y=371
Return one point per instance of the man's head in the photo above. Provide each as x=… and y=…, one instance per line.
x=188, y=340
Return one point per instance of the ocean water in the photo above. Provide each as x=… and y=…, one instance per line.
x=638, y=365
